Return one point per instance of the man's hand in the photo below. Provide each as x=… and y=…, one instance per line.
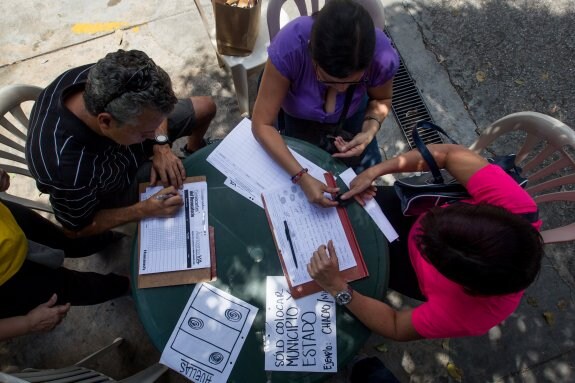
x=354, y=147
x=164, y=203
x=324, y=269
x=167, y=168
x=47, y=316
x=314, y=191
x=4, y=180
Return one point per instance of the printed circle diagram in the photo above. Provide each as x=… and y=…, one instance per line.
x=233, y=315
x=216, y=358
x=195, y=323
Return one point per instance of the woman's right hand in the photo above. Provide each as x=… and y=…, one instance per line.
x=314, y=191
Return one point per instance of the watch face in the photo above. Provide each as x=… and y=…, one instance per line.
x=343, y=297
x=162, y=139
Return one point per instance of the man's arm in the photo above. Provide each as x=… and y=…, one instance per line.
x=167, y=168
x=107, y=219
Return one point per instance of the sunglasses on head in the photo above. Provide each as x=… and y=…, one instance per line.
x=139, y=81
x=363, y=80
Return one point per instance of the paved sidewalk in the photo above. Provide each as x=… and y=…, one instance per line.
x=474, y=62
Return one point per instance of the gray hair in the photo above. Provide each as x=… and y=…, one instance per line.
x=125, y=83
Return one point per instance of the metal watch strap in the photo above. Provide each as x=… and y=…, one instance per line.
x=343, y=297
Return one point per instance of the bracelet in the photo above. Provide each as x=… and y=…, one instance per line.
x=295, y=178
x=368, y=117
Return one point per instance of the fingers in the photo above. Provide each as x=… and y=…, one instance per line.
x=168, y=169
x=332, y=253
x=4, y=180
x=62, y=310
x=173, y=197
x=176, y=173
x=182, y=170
x=351, y=152
x=359, y=200
x=321, y=261
x=51, y=302
x=360, y=196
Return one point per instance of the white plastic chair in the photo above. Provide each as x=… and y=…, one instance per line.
x=13, y=131
x=241, y=67
x=276, y=16
x=547, y=158
x=78, y=373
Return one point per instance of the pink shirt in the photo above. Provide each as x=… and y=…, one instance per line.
x=449, y=311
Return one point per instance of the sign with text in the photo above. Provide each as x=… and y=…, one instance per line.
x=300, y=334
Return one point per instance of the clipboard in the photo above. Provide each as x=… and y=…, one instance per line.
x=352, y=274
x=181, y=277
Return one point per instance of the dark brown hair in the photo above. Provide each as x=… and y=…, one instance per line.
x=485, y=248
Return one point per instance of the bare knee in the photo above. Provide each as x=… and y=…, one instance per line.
x=204, y=109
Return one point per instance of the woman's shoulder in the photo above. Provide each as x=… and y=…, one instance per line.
x=288, y=50
x=491, y=184
x=297, y=29
x=384, y=50
x=385, y=60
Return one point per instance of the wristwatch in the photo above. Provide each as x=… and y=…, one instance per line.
x=162, y=139
x=344, y=297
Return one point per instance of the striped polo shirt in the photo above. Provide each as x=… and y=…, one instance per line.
x=78, y=168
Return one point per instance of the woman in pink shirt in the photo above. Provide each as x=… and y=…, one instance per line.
x=469, y=262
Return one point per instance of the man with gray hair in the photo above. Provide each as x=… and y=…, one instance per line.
x=99, y=129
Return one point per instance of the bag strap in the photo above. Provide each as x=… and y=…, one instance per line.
x=425, y=153
x=346, y=104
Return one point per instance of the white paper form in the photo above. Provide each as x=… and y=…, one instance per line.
x=373, y=209
x=250, y=170
x=301, y=334
x=209, y=335
x=180, y=242
x=309, y=226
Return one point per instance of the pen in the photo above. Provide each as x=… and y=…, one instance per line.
x=290, y=243
x=163, y=197
x=204, y=221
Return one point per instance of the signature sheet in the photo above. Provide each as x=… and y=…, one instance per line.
x=249, y=169
x=209, y=335
x=309, y=226
x=181, y=242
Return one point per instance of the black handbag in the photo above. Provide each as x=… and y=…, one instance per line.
x=437, y=187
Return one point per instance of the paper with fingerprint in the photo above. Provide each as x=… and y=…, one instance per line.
x=209, y=335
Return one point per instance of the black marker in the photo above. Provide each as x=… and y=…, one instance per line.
x=290, y=243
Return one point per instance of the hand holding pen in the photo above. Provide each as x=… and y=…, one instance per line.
x=163, y=197
x=165, y=203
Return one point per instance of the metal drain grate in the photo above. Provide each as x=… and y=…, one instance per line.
x=408, y=105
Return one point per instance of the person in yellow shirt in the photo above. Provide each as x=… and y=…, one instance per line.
x=34, y=296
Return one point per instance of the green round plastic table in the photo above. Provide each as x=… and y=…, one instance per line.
x=246, y=255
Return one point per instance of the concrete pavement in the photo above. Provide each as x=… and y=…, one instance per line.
x=474, y=62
